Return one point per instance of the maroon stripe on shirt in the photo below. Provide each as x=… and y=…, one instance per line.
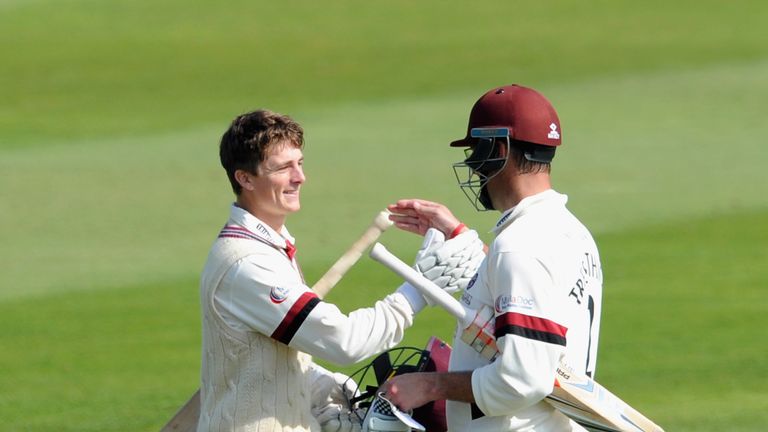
x=295, y=317
x=530, y=327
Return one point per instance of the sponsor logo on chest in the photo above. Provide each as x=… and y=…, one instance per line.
x=506, y=302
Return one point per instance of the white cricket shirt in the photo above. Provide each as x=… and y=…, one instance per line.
x=542, y=278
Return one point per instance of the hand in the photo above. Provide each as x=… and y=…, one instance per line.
x=329, y=387
x=330, y=395
x=417, y=216
x=411, y=390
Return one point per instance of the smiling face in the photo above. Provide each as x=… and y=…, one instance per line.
x=272, y=193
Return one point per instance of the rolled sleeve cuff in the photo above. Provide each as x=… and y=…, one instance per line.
x=480, y=396
x=414, y=297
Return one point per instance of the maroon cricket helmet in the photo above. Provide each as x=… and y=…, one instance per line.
x=526, y=113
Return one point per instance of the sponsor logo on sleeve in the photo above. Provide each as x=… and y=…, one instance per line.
x=466, y=298
x=472, y=282
x=278, y=294
x=506, y=302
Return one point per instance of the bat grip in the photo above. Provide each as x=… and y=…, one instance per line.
x=324, y=285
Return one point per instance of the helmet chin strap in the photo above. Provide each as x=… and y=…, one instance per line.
x=485, y=198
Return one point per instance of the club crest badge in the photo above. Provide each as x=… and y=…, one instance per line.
x=553, y=133
x=278, y=294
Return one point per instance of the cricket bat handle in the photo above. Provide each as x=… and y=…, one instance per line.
x=324, y=285
x=424, y=285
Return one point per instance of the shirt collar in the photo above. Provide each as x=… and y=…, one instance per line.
x=548, y=196
x=253, y=224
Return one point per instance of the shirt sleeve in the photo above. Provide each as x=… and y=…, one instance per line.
x=254, y=296
x=529, y=338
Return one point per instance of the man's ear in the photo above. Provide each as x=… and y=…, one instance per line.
x=503, y=149
x=245, y=179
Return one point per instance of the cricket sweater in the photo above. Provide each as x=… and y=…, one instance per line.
x=259, y=318
x=250, y=382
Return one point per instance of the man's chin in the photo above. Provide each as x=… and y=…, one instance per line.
x=292, y=207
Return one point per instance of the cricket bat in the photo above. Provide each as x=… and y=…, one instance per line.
x=576, y=395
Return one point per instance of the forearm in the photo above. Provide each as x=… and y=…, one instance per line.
x=413, y=390
x=455, y=386
x=346, y=339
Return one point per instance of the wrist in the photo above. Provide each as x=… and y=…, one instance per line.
x=460, y=228
x=436, y=392
x=413, y=296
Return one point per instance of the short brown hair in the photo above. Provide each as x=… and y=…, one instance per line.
x=524, y=165
x=251, y=136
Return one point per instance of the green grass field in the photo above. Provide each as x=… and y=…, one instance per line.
x=111, y=192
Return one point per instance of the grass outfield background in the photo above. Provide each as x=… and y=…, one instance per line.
x=110, y=189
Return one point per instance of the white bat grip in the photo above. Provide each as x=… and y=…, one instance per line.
x=424, y=285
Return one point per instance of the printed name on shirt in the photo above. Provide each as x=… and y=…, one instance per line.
x=263, y=230
x=236, y=231
x=278, y=294
x=505, y=302
x=589, y=270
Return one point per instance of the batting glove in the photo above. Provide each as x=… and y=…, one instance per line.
x=338, y=418
x=330, y=396
x=450, y=264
